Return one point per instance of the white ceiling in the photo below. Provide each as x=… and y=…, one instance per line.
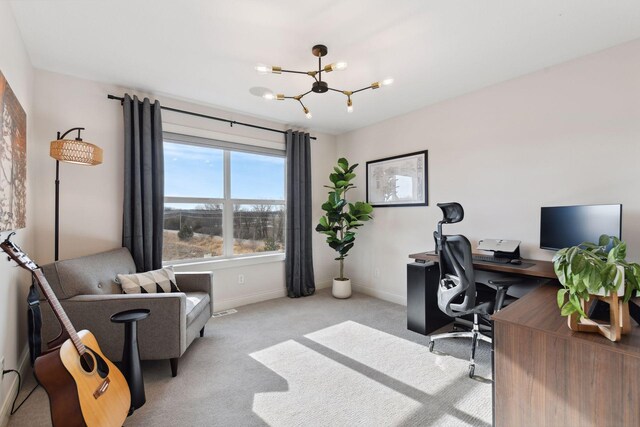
x=205, y=50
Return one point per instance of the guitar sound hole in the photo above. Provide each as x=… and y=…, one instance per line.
x=101, y=366
x=87, y=362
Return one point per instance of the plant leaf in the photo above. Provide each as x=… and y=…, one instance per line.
x=607, y=275
x=567, y=309
x=560, y=297
x=604, y=240
x=618, y=279
x=577, y=263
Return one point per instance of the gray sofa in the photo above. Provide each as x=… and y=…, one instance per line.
x=88, y=293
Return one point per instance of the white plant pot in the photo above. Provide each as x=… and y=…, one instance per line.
x=341, y=288
x=621, y=289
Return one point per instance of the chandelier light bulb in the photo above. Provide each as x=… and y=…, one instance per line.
x=349, y=106
x=307, y=113
x=269, y=96
x=263, y=69
x=336, y=66
x=385, y=82
x=339, y=66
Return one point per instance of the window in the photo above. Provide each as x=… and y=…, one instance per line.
x=222, y=199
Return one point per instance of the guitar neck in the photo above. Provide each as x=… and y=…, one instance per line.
x=58, y=310
x=16, y=254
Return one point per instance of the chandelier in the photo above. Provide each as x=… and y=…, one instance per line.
x=318, y=86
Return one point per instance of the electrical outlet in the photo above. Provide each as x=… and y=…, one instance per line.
x=241, y=279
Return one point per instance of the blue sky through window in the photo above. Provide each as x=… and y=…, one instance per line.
x=255, y=176
x=196, y=171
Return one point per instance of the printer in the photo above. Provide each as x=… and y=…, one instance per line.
x=509, y=249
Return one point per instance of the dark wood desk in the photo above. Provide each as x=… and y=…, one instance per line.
x=546, y=374
x=529, y=267
x=423, y=314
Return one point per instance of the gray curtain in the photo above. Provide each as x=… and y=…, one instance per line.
x=299, y=256
x=143, y=182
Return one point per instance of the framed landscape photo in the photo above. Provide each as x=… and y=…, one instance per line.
x=398, y=181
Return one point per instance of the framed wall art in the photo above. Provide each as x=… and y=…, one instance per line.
x=13, y=160
x=398, y=181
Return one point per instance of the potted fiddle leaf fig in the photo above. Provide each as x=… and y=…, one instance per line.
x=341, y=220
x=599, y=271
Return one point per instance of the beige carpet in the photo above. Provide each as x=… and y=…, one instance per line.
x=313, y=361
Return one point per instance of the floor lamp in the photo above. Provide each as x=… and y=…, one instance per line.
x=71, y=151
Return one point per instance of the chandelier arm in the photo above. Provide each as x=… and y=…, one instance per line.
x=311, y=74
x=298, y=97
x=337, y=90
x=293, y=72
x=360, y=90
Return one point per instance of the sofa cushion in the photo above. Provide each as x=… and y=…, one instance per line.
x=89, y=275
x=151, y=282
x=197, y=302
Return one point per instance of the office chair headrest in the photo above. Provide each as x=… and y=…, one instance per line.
x=452, y=212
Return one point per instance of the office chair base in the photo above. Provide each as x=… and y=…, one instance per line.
x=459, y=334
x=461, y=324
x=475, y=335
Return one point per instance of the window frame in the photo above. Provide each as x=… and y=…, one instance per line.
x=227, y=147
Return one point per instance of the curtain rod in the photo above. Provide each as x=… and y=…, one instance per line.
x=191, y=113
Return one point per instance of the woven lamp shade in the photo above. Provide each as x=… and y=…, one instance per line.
x=74, y=151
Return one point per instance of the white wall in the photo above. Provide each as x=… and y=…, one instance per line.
x=565, y=135
x=16, y=67
x=91, y=197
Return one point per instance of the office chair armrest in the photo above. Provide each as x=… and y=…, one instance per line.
x=505, y=283
x=501, y=287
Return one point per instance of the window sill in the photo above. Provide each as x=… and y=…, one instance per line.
x=222, y=263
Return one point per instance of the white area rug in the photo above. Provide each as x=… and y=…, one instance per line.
x=350, y=374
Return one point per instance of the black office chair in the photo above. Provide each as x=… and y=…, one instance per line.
x=458, y=293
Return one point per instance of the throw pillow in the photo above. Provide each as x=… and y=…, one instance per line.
x=151, y=282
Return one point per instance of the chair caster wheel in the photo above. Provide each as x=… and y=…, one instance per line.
x=472, y=369
x=431, y=343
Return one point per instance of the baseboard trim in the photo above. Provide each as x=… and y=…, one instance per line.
x=324, y=285
x=13, y=388
x=383, y=295
x=225, y=304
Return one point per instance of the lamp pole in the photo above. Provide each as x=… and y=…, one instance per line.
x=56, y=232
x=57, y=214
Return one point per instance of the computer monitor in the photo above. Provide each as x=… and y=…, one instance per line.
x=565, y=226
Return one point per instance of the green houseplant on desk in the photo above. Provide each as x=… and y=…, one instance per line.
x=341, y=220
x=592, y=270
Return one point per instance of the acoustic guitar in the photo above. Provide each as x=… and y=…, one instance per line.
x=84, y=387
